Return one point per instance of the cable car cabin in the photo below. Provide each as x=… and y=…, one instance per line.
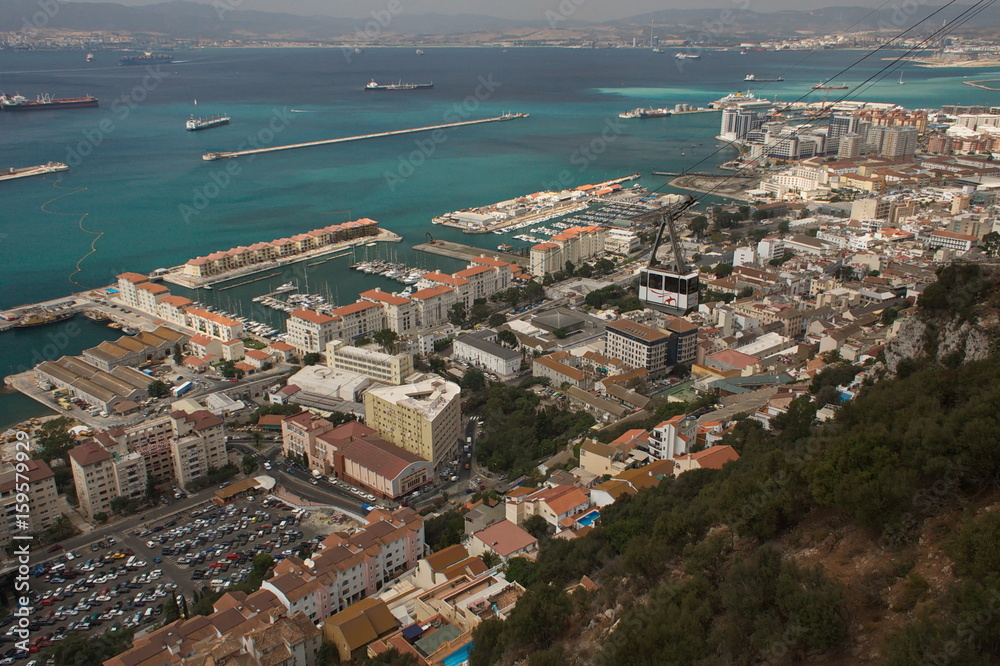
x=667, y=291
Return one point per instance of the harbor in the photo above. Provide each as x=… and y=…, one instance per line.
x=210, y=157
x=28, y=172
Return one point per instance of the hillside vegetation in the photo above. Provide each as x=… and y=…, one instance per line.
x=871, y=539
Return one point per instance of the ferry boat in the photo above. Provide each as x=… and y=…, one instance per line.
x=197, y=124
x=372, y=85
x=90, y=57
x=753, y=78
x=687, y=56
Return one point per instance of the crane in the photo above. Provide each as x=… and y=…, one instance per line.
x=670, y=286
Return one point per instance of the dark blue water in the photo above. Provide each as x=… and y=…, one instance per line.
x=140, y=197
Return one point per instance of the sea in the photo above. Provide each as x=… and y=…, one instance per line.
x=139, y=196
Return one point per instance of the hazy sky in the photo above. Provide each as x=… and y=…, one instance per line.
x=584, y=10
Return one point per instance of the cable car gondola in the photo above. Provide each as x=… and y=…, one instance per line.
x=670, y=286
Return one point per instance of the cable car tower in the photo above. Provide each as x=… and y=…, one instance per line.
x=670, y=285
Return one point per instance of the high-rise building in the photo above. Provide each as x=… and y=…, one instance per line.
x=839, y=126
x=100, y=476
x=382, y=367
x=640, y=346
x=738, y=123
x=898, y=142
x=422, y=418
x=850, y=145
x=32, y=492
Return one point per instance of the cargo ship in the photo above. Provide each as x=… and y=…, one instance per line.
x=753, y=78
x=687, y=56
x=823, y=86
x=372, y=85
x=45, y=102
x=198, y=124
x=43, y=318
x=645, y=113
x=146, y=59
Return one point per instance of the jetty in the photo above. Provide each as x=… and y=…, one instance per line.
x=469, y=252
x=211, y=157
x=27, y=172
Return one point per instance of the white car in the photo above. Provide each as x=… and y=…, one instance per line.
x=267, y=465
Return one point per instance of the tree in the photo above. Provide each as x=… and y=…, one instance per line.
x=101, y=516
x=52, y=439
x=991, y=243
x=178, y=356
x=534, y=291
x=699, y=225
x=560, y=332
x=537, y=527
x=570, y=268
x=490, y=558
x=387, y=339
x=157, y=389
x=473, y=380
x=497, y=319
x=457, y=314
x=508, y=339
x=121, y=505
x=229, y=370
x=249, y=464
x=723, y=270
x=480, y=311
x=312, y=358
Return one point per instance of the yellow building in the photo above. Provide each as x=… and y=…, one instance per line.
x=422, y=418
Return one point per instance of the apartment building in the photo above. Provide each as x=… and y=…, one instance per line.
x=400, y=313
x=575, y=245
x=249, y=630
x=299, y=433
x=461, y=286
x=348, y=568
x=382, y=367
x=96, y=477
x=666, y=441
x=214, y=325
x=621, y=242
x=422, y=418
x=37, y=483
x=555, y=505
x=638, y=345
x=362, y=318
x=310, y=332
x=432, y=305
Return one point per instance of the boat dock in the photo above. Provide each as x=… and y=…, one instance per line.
x=27, y=172
x=468, y=252
x=209, y=157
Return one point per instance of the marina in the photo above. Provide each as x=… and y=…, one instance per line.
x=210, y=157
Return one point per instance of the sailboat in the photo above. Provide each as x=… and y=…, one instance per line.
x=900, y=77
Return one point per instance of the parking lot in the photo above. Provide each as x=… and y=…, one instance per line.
x=122, y=582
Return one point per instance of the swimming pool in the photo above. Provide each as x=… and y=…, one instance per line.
x=459, y=657
x=589, y=519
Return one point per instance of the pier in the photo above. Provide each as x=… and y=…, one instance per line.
x=210, y=157
x=27, y=172
x=468, y=252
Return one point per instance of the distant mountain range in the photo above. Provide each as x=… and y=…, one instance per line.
x=192, y=20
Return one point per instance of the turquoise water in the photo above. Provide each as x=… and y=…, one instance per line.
x=458, y=657
x=139, y=196
x=589, y=519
